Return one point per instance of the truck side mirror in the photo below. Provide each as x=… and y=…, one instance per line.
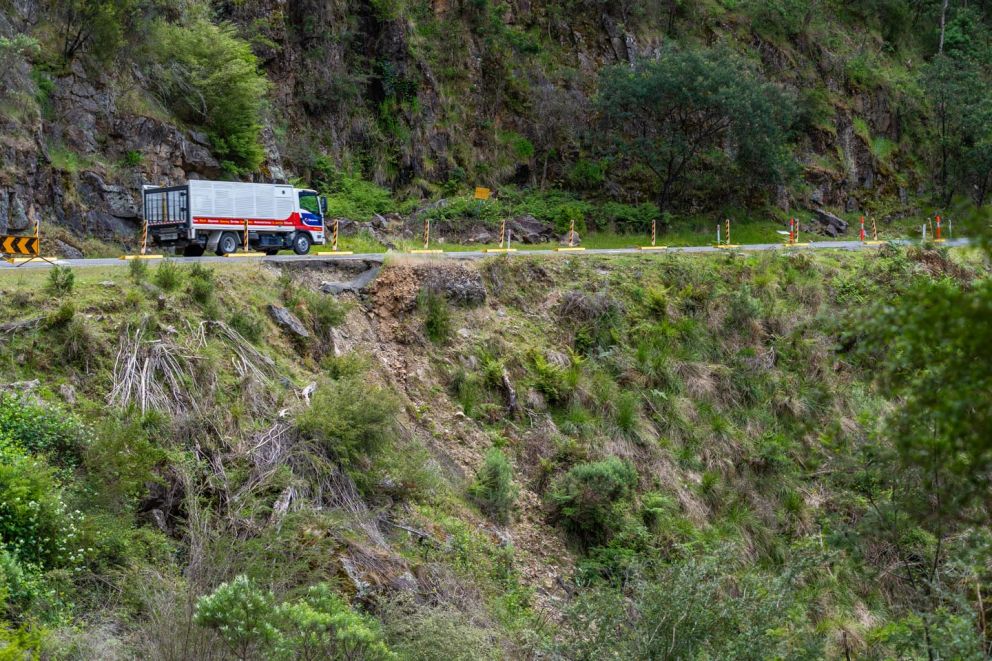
x=323, y=205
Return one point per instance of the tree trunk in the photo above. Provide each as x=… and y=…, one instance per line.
x=943, y=25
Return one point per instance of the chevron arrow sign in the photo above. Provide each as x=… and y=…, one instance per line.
x=19, y=245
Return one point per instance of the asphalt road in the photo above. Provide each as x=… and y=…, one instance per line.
x=476, y=254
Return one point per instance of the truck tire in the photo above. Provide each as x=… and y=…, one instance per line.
x=228, y=243
x=301, y=243
x=193, y=250
x=272, y=251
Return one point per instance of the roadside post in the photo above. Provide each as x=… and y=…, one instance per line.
x=938, y=238
x=244, y=248
x=571, y=240
x=335, y=232
x=427, y=241
x=654, y=238
x=143, y=252
x=728, y=244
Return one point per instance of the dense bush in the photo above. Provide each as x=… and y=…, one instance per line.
x=349, y=195
x=590, y=499
x=320, y=625
x=210, y=77
x=167, y=275
x=350, y=419
x=35, y=525
x=61, y=280
x=437, y=315
x=45, y=429
x=493, y=489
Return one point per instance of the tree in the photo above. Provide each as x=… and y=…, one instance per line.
x=211, y=78
x=958, y=90
x=93, y=24
x=926, y=477
x=695, y=111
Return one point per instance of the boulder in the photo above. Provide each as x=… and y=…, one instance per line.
x=530, y=230
x=829, y=224
x=67, y=251
x=461, y=286
x=481, y=237
x=288, y=321
x=574, y=239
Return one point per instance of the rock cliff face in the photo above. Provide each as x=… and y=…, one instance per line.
x=413, y=99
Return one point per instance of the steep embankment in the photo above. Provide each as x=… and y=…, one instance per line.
x=485, y=458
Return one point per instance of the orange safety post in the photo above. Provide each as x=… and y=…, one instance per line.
x=246, y=235
x=792, y=230
x=862, y=236
x=427, y=233
x=874, y=230
x=938, y=229
x=334, y=235
x=728, y=231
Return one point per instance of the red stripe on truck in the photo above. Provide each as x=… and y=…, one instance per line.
x=293, y=221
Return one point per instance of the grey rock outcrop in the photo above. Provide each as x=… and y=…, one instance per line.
x=828, y=223
x=530, y=230
x=288, y=321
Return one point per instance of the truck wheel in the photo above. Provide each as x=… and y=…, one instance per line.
x=228, y=243
x=301, y=243
x=272, y=251
x=193, y=250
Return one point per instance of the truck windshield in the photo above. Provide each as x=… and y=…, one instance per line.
x=310, y=203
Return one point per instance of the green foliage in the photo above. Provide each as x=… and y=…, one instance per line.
x=95, y=26
x=249, y=325
x=349, y=195
x=325, y=312
x=137, y=270
x=590, y=499
x=720, y=615
x=320, y=625
x=41, y=429
x=168, y=275
x=671, y=113
x=242, y=614
x=210, y=77
x=35, y=524
x=121, y=459
x=493, y=489
x=350, y=419
x=61, y=280
x=437, y=315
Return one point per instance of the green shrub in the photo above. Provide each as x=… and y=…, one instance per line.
x=493, y=489
x=349, y=195
x=61, y=281
x=137, y=269
x=35, y=525
x=201, y=291
x=587, y=497
x=345, y=366
x=325, y=312
x=120, y=461
x=424, y=632
x=249, y=326
x=437, y=316
x=210, y=77
x=20, y=585
x=167, y=275
x=350, y=419
x=241, y=613
x=43, y=429
x=320, y=625
x=467, y=390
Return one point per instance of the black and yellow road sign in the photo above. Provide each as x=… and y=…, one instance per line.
x=20, y=245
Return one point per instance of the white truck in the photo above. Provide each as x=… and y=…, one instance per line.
x=215, y=216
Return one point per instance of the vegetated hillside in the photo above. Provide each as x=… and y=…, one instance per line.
x=431, y=98
x=642, y=457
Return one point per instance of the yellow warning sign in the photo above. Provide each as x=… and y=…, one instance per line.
x=19, y=245
x=483, y=193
